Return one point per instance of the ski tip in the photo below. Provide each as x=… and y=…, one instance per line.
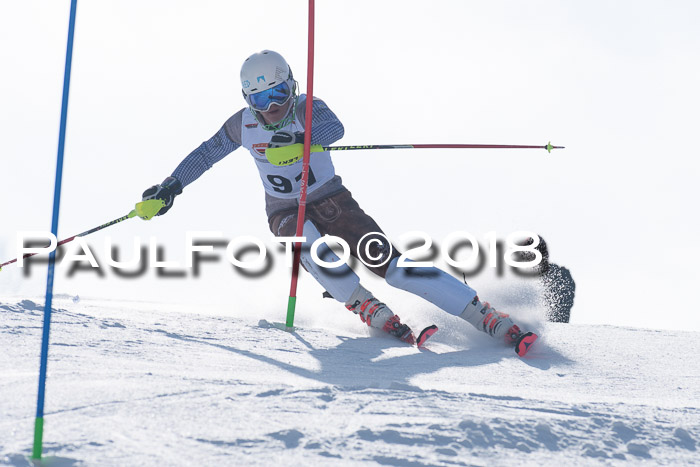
x=524, y=344
x=425, y=334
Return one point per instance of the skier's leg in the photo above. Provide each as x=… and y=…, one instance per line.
x=342, y=282
x=432, y=284
x=341, y=215
x=344, y=285
x=455, y=297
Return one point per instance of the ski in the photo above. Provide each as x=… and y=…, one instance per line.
x=425, y=334
x=524, y=343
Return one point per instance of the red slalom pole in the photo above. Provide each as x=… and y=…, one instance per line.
x=291, y=304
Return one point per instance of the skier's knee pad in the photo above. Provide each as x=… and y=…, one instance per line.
x=432, y=284
x=340, y=282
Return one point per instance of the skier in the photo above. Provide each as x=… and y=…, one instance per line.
x=275, y=118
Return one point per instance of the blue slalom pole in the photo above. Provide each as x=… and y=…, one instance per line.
x=39, y=423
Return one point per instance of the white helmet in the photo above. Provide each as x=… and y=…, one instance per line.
x=264, y=71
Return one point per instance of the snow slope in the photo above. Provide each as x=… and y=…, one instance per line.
x=140, y=384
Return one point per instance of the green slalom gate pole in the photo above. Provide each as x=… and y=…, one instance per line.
x=292, y=302
x=145, y=210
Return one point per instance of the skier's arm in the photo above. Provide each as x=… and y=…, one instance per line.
x=225, y=141
x=325, y=126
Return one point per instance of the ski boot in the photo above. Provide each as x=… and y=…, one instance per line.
x=401, y=331
x=499, y=325
x=522, y=341
x=377, y=315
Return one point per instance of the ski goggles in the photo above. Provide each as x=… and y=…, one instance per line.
x=262, y=100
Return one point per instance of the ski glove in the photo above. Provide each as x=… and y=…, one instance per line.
x=286, y=148
x=166, y=191
x=286, y=138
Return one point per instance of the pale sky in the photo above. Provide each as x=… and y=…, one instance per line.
x=616, y=83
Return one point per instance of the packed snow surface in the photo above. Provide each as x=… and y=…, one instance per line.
x=147, y=385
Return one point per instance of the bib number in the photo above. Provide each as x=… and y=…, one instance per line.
x=284, y=185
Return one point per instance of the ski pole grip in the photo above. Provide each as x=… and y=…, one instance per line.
x=146, y=210
x=288, y=155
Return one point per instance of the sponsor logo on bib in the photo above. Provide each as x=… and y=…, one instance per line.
x=260, y=148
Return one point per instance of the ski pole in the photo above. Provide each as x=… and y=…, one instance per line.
x=288, y=155
x=145, y=210
x=548, y=147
